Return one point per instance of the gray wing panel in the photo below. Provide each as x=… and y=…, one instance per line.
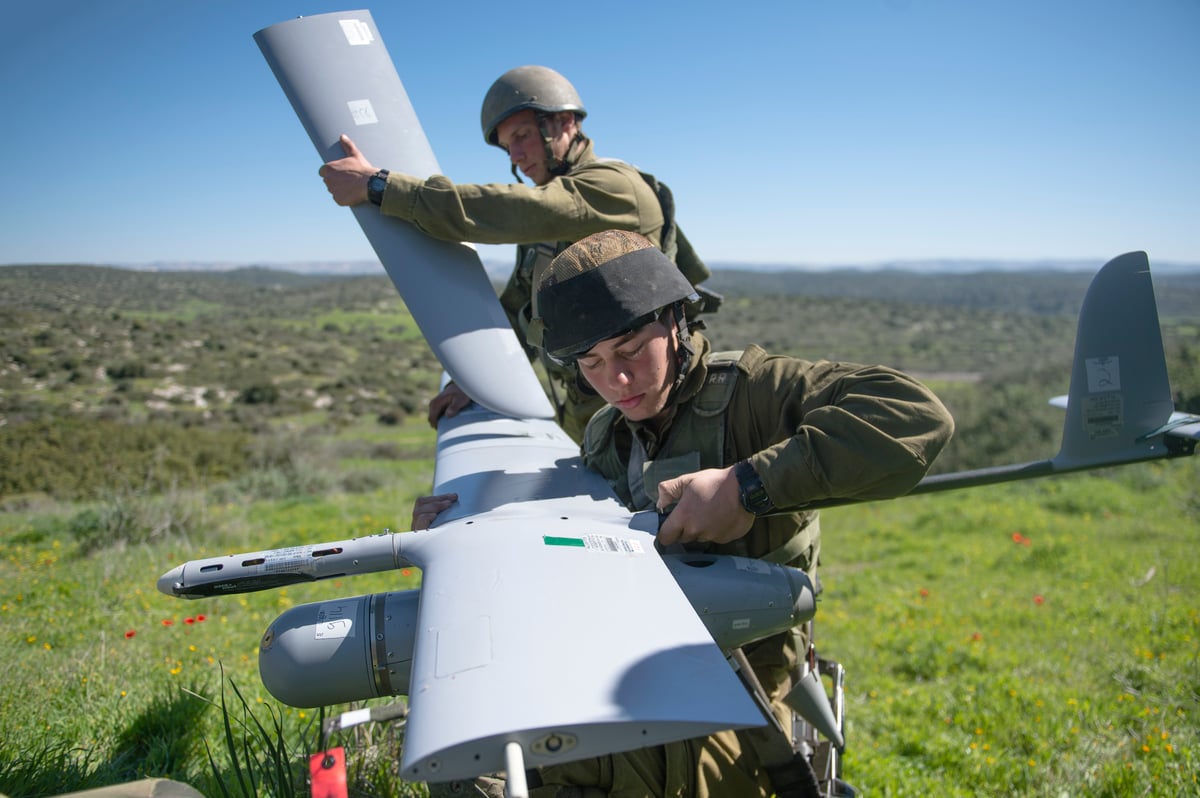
x=547, y=618
x=492, y=462
x=565, y=633
x=339, y=78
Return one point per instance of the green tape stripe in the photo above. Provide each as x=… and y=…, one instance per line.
x=553, y=541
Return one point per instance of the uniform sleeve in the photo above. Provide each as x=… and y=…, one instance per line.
x=592, y=198
x=834, y=430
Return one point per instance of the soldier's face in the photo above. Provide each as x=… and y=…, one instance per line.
x=633, y=372
x=520, y=137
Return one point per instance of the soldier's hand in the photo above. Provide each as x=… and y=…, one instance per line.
x=426, y=509
x=708, y=508
x=346, y=178
x=448, y=403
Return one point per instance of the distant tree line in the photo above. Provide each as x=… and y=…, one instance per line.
x=111, y=377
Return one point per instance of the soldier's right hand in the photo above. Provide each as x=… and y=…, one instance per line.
x=448, y=403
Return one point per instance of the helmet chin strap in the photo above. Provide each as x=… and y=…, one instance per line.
x=560, y=166
x=555, y=166
x=684, y=350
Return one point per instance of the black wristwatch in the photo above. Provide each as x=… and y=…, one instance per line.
x=376, y=185
x=753, y=493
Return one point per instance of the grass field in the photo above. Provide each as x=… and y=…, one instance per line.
x=1036, y=638
x=1033, y=639
x=106, y=679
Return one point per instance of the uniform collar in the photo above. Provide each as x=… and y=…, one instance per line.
x=579, y=153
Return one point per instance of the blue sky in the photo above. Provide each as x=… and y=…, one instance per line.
x=803, y=132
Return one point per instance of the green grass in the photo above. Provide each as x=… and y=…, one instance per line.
x=108, y=680
x=1027, y=639
x=1036, y=638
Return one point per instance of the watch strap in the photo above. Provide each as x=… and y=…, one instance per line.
x=376, y=185
x=750, y=486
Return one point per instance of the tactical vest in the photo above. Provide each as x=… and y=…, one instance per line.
x=696, y=441
x=675, y=244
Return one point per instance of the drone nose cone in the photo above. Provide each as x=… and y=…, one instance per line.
x=804, y=598
x=168, y=581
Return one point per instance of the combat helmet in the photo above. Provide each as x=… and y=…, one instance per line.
x=603, y=286
x=537, y=88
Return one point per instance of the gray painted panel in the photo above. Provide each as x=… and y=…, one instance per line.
x=339, y=78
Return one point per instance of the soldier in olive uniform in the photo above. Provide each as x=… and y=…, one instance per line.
x=734, y=445
x=534, y=114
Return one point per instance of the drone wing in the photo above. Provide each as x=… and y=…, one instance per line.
x=339, y=78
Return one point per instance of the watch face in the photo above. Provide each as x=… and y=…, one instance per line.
x=376, y=185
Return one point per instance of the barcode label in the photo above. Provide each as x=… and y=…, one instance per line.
x=614, y=545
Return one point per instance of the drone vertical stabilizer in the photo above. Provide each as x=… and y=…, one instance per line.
x=1119, y=393
x=1119, y=407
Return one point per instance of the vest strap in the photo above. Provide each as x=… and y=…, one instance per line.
x=796, y=545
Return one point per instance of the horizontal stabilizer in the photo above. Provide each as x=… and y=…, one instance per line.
x=1184, y=426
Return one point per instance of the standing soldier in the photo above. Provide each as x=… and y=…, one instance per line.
x=534, y=114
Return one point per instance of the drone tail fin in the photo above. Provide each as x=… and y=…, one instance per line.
x=1120, y=396
x=809, y=699
x=1119, y=408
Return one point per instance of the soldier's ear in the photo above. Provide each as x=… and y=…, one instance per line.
x=567, y=121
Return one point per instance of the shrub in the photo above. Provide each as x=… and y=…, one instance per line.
x=133, y=518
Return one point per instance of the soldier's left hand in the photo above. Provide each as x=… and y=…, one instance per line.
x=708, y=508
x=426, y=509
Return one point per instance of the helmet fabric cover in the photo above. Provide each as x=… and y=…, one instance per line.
x=580, y=309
